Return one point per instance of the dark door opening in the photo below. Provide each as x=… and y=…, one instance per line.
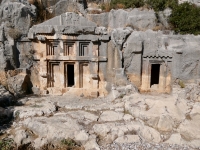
x=155, y=73
x=70, y=75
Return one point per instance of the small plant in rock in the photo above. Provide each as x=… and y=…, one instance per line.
x=160, y=5
x=68, y=142
x=181, y=83
x=126, y=111
x=36, y=106
x=27, y=146
x=16, y=115
x=48, y=146
x=7, y=144
x=127, y=3
x=120, y=6
x=14, y=33
x=122, y=95
x=94, y=12
x=157, y=28
x=106, y=7
x=188, y=117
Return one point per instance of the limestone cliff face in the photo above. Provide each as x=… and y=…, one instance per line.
x=16, y=19
x=138, y=38
x=135, y=35
x=17, y=14
x=136, y=18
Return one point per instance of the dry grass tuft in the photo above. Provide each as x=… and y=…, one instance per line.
x=106, y=7
x=14, y=33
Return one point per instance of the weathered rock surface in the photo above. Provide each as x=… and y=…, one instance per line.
x=128, y=139
x=188, y=129
x=63, y=6
x=18, y=14
x=136, y=19
x=6, y=99
x=120, y=35
x=16, y=19
x=163, y=115
x=163, y=17
x=168, y=45
x=132, y=121
x=91, y=144
x=52, y=128
x=125, y=116
x=111, y=116
x=19, y=84
x=23, y=137
x=83, y=116
x=150, y=134
x=32, y=108
x=6, y=109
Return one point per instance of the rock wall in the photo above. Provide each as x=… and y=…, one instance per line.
x=135, y=36
x=63, y=6
x=183, y=48
x=16, y=19
x=136, y=18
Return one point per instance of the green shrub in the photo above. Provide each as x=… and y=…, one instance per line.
x=127, y=3
x=68, y=142
x=185, y=18
x=7, y=144
x=106, y=7
x=181, y=83
x=157, y=5
x=160, y=5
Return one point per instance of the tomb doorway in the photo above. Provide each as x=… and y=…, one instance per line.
x=69, y=75
x=155, y=74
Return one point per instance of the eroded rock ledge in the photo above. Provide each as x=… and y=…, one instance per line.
x=134, y=120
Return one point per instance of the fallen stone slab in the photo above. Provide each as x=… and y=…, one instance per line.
x=111, y=116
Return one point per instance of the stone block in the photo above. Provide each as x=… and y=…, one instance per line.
x=55, y=91
x=36, y=90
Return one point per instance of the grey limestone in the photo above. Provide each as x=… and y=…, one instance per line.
x=67, y=23
x=125, y=39
x=63, y=6
x=163, y=17
x=136, y=18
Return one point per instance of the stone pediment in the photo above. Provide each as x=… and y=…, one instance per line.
x=67, y=23
x=158, y=53
x=69, y=19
